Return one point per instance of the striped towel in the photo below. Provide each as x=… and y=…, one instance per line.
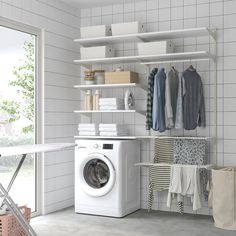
x=159, y=176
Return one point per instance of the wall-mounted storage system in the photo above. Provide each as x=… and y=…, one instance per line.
x=148, y=60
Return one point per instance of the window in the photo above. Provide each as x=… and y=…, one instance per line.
x=20, y=108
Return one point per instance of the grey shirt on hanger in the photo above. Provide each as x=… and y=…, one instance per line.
x=172, y=83
x=193, y=100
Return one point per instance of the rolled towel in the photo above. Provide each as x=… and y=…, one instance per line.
x=88, y=133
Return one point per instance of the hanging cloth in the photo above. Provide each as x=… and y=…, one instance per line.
x=159, y=177
x=171, y=93
x=150, y=98
x=158, y=106
x=192, y=152
x=193, y=100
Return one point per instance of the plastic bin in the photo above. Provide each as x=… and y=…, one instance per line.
x=155, y=48
x=97, y=52
x=127, y=28
x=95, y=31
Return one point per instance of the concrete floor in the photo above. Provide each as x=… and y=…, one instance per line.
x=140, y=223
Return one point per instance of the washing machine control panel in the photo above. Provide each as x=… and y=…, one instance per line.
x=104, y=146
x=107, y=146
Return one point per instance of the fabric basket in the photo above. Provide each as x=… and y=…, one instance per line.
x=9, y=225
x=224, y=197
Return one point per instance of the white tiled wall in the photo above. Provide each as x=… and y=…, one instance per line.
x=178, y=14
x=61, y=26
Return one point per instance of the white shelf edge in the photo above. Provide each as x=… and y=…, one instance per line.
x=108, y=111
x=144, y=137
x=104, y=86
x=104, y=137
x=150, y=36
x=181, y=56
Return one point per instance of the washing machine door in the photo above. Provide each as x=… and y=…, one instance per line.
x=96, y=175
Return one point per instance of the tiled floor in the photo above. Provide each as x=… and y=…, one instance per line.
x=140, y=223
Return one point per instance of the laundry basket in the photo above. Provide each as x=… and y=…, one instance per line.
x=9, y=225
x=224, y=197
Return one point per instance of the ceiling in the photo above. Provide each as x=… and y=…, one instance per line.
x=92, y=3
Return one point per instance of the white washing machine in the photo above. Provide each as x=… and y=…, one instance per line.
x=107, y=182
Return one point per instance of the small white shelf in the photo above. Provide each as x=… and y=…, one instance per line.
x=105, y=86
x=108, y=111
x=182, y=56
x=144, y=137
x=105, y=137
x=150, y=36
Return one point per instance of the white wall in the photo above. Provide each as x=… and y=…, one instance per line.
x=61, y=27
x=178, y=14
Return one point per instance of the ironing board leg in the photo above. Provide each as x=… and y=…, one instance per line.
x=13, y=177
x=16, y=212
x=5, y=198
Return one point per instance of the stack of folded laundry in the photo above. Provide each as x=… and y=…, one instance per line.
x=111, y=104
x=112, y=130
x=88, y=129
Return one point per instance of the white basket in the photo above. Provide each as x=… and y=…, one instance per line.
x=155, y=48
x=95, y=31
x=127, y=28
x=97, y=52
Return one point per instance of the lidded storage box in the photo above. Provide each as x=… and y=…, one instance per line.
x=121, y=77
x=155, y=48
x=95, y=31
x=127, y=28
x=97, y=52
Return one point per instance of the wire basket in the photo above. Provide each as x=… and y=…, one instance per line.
x=9, y=225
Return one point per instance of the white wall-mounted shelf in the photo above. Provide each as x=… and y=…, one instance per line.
x=105, y=137
x=143, y=137
x=149, y=58
x=147, y=37
x=108, y=111
x=107, y=86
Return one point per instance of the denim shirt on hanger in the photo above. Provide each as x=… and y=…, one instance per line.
x=158, y=110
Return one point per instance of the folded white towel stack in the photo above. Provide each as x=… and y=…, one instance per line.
x=112, y=130
x=88, y=129
x=111, y=104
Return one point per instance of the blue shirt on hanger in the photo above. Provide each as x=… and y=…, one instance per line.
x=158, y=109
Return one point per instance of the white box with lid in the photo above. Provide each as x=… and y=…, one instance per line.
x=95, y=31
x=127, y=28
x=155, y=48
x=97, y=52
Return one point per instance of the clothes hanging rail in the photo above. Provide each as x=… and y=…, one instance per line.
x=148, y=164
x=177, y=137
x=174, y=61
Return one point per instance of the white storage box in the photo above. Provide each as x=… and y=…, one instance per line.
x=127, y=28
x=97, y=52
x=95, y=31
x=155, y=48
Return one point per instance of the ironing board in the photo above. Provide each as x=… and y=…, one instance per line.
x=24, y=150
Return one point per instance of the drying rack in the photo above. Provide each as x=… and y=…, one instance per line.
x=24, y=150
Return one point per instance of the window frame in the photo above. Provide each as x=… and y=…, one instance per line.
x=39, y=105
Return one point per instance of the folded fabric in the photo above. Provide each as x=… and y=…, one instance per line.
x=87, y=125
x=106, y=133
x=104, y=100
x=87, y=129
x=88, y=133
x=110, y=125
x=111, y=129
x=111, y=107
